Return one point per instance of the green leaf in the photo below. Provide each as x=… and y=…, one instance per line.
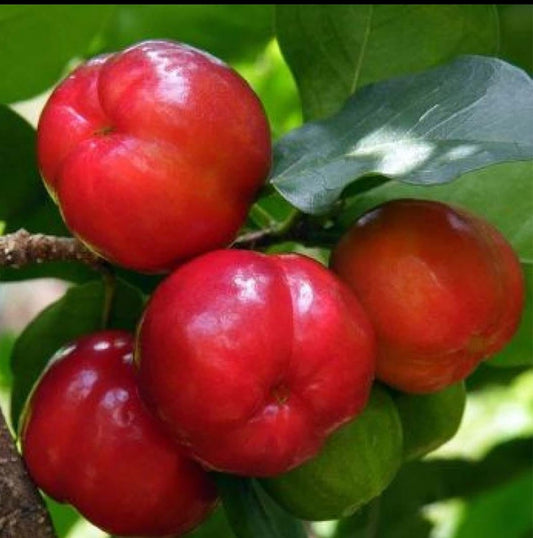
x=425, y=129
x=504, y=511
x=215, y=526
x=78, y=312
x=20, y=184
x=519, y=351
x=398, y=513
x=7, y=341
x=516, y=34
x=252, y=513
x=231, y=32
x=64, y=516
x=37, y=42
x=334, y=49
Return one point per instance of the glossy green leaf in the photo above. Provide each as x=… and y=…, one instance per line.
x=230, y=32
x=426, y=129
x=78, y=312
x=334, y=49
x=37, y=42
x=252, y=513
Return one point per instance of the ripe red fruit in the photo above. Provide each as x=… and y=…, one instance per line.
x=154, y=153
x=443, y=289
x=87, y=439
x=252, y=360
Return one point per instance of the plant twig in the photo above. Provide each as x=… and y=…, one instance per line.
x=22, y=248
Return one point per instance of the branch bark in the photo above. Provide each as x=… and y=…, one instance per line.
x=22, y=248
x=22, y=510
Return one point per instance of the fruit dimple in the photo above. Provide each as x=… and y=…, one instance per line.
x=280, y=393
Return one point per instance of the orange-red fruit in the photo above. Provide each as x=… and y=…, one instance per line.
x=442, y=287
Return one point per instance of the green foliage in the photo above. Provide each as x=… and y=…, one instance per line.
x=399, y=512
x=216, y=526
x=39, y=41
x=80, y=311
x=494, y=513
x=425, y=129
x=22, y=188
x=252, y=513
x=230, y=32
x=516, y=34
x=333, y=50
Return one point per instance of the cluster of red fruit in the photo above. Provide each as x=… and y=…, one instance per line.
x=243, y=363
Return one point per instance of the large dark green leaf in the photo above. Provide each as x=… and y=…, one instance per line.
x=20, y=184
x=516, y=34
x=425, y=129
x=228, y=31
x=252, y=513
x=334, y=49
x=36, y=42
x=79, y=311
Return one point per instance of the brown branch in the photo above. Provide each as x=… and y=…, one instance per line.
x=22, y=248
x=22, y=510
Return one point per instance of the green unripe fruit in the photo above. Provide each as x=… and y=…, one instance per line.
x=429, y=420
x=356, y=464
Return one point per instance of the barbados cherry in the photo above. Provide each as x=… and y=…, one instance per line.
x=252, y=360
x=87, y=439
x=443, y=289
x=154, y=153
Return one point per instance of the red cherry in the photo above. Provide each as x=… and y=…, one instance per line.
x=154, y=153
x=252, y=360
x=442, y=287
x=87, y=439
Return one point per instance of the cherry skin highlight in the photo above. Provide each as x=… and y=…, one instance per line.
x=154, y=154
x=87, y=439
x=253, y=360
x=442, y=287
